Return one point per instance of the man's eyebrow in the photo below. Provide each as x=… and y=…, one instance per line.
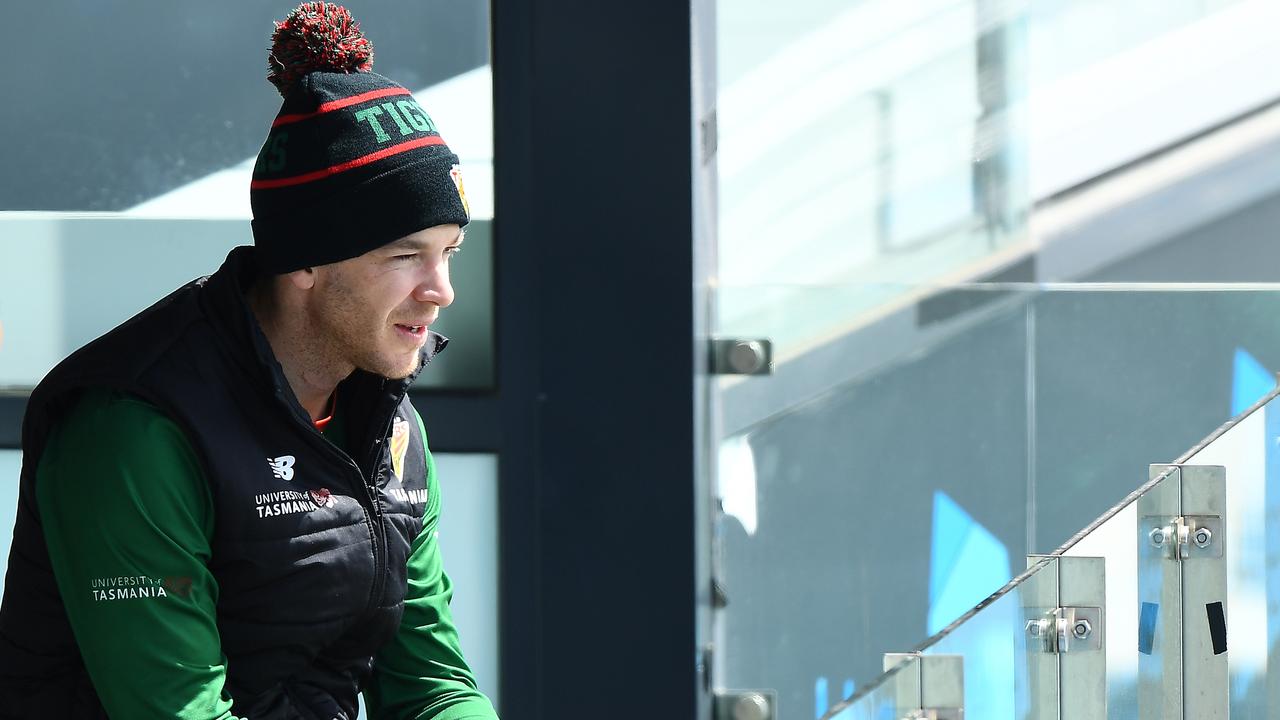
x=405, y=243
x=411, y=243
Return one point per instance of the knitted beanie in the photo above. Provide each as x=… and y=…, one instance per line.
x=352, y=161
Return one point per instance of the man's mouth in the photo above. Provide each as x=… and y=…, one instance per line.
x=414, y=330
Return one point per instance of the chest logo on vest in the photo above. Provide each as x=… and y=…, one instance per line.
x=282, y=467
x=399, y=445
x=289, y=502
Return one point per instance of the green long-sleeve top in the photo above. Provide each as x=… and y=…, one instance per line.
x=122, y=494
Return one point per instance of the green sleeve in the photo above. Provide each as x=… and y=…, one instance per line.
x=127, y=517
x=421, y=674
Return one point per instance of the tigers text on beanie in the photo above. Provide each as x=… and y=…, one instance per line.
x=352, y=161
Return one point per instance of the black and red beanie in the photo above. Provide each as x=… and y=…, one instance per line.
x=352, y=161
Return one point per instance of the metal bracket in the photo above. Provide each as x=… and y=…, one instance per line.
x=745, y=705
x=1064, y=629
x=1186, y=537
x=741, y=356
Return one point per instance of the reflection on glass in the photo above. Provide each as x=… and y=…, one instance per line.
x=874, y=141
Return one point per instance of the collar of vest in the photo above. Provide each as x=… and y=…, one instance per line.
x=224, y=298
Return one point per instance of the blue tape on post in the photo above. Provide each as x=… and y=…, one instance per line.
x=1147, y=627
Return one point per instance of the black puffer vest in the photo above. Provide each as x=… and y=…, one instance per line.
x=310, y=543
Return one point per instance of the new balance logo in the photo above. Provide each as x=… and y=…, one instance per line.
x=282, y=467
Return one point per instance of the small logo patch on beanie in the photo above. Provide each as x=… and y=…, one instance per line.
x=456, y=174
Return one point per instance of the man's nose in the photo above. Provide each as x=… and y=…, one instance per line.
x=435, y=286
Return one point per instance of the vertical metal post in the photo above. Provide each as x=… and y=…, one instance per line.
x=1082, y=671
x=931, y=686
x=1204, y=593
x=908, y=694
x=1182, y=591
x=1066, y=638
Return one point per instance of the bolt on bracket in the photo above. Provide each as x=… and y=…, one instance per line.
x=745, y=705
x=1186, y=537
x=741, y=356
x=1064, y=629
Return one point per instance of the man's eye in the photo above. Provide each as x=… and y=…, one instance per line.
x=402, y=258
x=451, y=251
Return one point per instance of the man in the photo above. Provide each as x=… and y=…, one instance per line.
x=227, y=504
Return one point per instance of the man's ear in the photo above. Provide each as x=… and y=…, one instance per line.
x=303, y=279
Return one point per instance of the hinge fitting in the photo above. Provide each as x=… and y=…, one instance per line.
x=1186, y=537
x=1065, y=629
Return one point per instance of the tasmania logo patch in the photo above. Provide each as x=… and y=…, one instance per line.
x=456, y=174
x=399, y=445
x=292, y=502
x=321, y=497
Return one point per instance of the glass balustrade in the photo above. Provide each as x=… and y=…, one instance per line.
x=1192, y=587
x=893, y=475
x=1166, y=606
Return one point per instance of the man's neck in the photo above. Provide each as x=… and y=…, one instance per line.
x=311, y=378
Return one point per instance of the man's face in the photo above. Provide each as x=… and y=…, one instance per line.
x=372, y=311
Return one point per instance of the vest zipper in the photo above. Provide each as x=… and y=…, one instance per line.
x=380, y=541
x=377, y=528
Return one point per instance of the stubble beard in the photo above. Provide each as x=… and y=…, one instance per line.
x=353, y=338
x=363, y=350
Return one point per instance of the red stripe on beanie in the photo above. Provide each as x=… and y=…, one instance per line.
x=339, y=104
x=348, y=165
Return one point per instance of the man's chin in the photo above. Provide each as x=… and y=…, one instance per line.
x=394, y=371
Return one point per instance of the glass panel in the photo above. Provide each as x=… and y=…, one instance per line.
x=880, y=700
x=1247, y=449
x=1109, y=362
x=876, y=457
x=997, y=651
x=1130, y=639
x=868, y=141
x=963, y=430
x=868, y=154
